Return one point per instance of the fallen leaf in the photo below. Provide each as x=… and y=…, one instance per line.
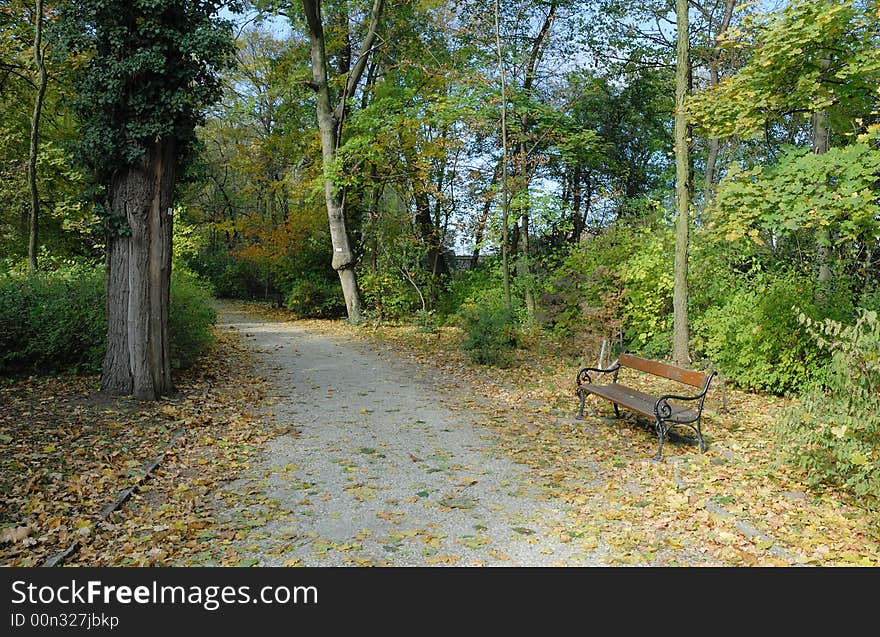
x=14, y=534
x=442, y=559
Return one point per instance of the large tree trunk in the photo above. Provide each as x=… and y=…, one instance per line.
x=34, y=225
x=680, y=350
x=343, y=257
x=330, y=126
x=138, y=360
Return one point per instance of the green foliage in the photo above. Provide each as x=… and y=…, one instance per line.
x=647, y=293
x=387, y=295
x=580, y=300
x=812, y=55
x=467, y=285
x=753, y=335
x=491, y=328
x=229, y=278
x=803, y=191
x=54, y=321
x=621, y=279
x=316, y=297
x=833, y=433
x=151, y=69
x=190, y=317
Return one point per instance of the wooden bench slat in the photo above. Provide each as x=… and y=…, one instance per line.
x=636, y=400
x=664, y=370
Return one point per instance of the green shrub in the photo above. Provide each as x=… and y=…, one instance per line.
x=191, y=316
x=647, y=278
x=54, y=321
x=833, y=433
x=491, y=329
x=620, y=279
x=754, y=337
x=580, y=297
x=316, y=297
x=387, y=296
x=229, y=278
x=468, y=285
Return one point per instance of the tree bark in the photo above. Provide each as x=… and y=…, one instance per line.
x=430, y=235
x=138, y=359
x=505, y=192
x=821, y=144
x=524, y=177
x=523, y=269
x=484, y=216
x=576, y=199
x=34, y=225
x=680, y=340
x=330, y=121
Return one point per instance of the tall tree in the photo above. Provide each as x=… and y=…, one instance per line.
x=152, y=71
x=536, y=52
x=680, y=336
x=42, y=81
x=505, y=192
x=331, y=118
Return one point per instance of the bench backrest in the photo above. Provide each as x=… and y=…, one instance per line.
x=664, y=370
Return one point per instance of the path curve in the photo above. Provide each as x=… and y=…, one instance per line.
x=385, y=467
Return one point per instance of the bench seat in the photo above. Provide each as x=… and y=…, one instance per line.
x=640, y=402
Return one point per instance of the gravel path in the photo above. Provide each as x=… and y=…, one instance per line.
x=385, y=468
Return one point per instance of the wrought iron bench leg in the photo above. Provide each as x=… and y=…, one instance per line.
x=700, y=437
x=616, y=410
x=583, y=396
x=661, y=434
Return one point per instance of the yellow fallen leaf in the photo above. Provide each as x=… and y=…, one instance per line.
x=442, y=559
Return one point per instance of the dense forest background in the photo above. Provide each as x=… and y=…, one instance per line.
x=507, y=167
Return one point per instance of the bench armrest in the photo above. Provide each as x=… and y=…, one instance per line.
x=583, y=376
x=663, y=410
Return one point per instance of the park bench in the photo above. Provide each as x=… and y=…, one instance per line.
x=667, y=410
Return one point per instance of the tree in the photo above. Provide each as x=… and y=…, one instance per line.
x=42, y=81
x=680, y=350
x=331, y=118
x=505, y=192
x=153, y=69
